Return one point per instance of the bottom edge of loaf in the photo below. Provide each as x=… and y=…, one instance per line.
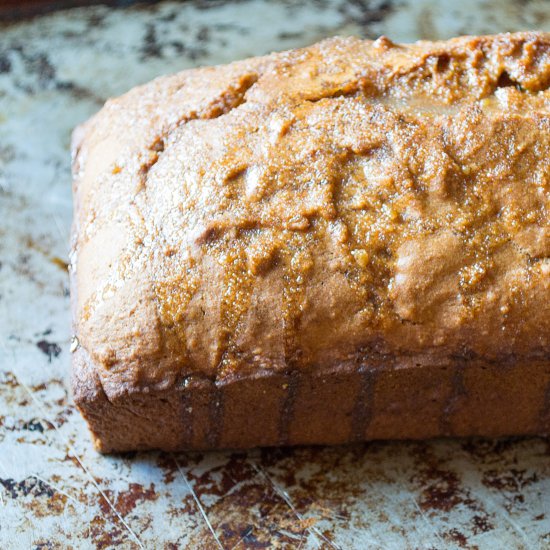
x=347, y=403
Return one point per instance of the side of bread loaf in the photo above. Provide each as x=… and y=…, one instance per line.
x=380, y=399
x=344, y=242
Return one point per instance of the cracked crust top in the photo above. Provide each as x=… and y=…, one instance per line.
x=315, y=207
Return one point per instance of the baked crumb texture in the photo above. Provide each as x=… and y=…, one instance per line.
x=344, y=242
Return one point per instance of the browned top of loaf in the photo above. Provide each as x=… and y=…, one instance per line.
x=315, y=207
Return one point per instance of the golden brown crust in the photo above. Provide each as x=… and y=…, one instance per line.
x=297, y=215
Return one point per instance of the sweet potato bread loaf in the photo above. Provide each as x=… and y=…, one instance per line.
x=345, y=242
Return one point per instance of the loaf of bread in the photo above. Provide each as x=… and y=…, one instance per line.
x=344, y=242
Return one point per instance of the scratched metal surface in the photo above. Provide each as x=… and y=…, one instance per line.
x=55, y=491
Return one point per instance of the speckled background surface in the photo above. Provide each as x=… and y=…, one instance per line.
x=55, y=491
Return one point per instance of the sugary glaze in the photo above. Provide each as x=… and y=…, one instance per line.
x=315, y=207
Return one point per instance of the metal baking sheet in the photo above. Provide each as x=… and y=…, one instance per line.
x=55, y=490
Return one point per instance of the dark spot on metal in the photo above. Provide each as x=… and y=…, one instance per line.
x=203, y=35
x=28, y=486
x=441, y=488
x=37, y=64
x=42, y=66
x=33, y=425
x=243, y=506
x=103, y=535
x=128, y=455
x=5, y=64
x=151, y=47
x=459, y=538
x=170, y=16
x=51, y=349
x=177, y=46
x=442, y=492
x=210, y=4
x=96, y=18
x=218, y=481
x=62, y=416
x=512, y=480
x=482, y=524
x=79, y=92
x=366, y=12
x=481, y=448
x=169, y=468
x=125, y=501
x=285, y=35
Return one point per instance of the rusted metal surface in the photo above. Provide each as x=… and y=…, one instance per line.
x=55, y=491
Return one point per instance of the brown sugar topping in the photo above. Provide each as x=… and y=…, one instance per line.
x=349, y=198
